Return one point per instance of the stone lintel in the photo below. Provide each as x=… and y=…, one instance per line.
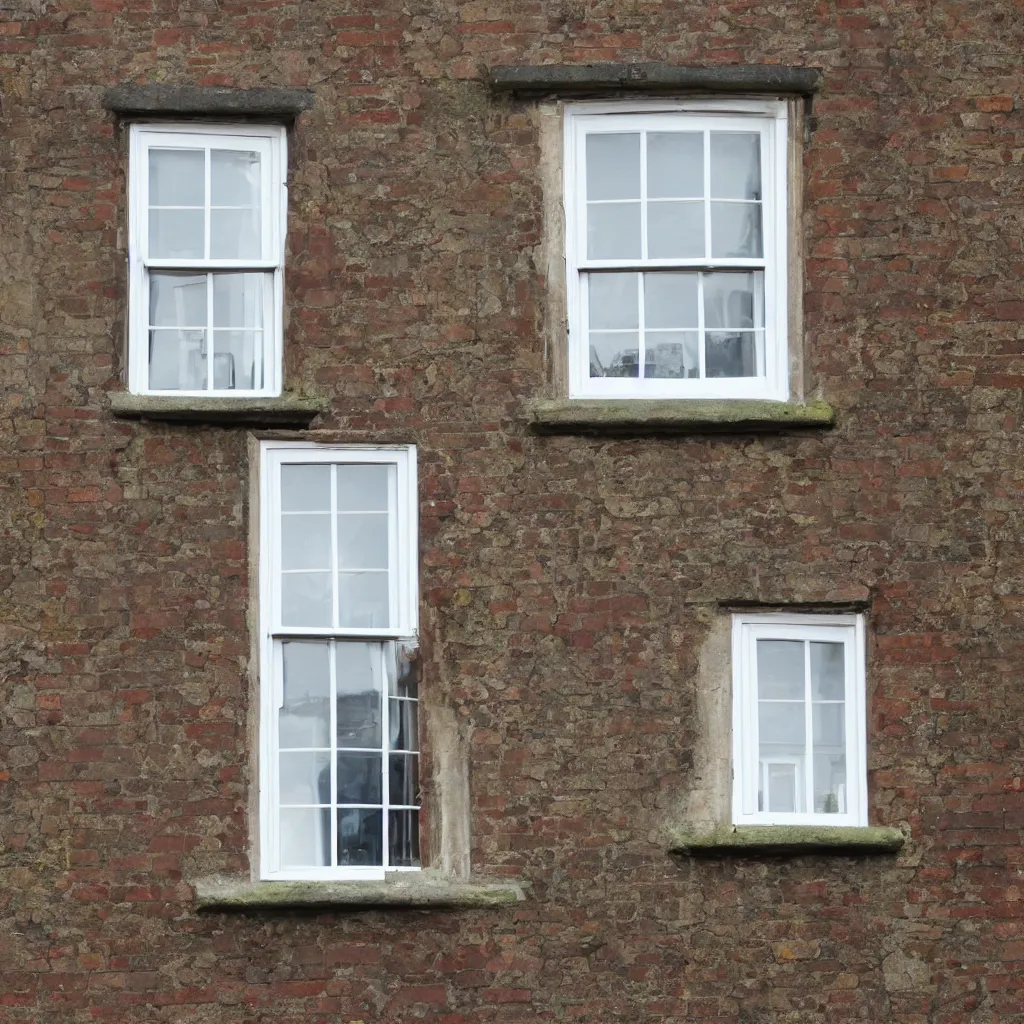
x=283, y=411
x=674, y=416
x=568, y=79
x=724, y=840
x=399, y=889
x=269, y=104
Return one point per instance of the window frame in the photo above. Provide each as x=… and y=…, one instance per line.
x=847, y=629
x=273, y=633
x=271, y=141
x=772, y=116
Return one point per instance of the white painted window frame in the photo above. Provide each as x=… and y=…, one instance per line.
x=271, y=142
x=403, y=579
x=746, y=631
x=770, y=117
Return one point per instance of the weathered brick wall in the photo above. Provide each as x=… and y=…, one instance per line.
x=568, y=582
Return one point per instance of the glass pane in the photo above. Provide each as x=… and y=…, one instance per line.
x=735, y=165
x=176, y=234
x=304, y=777
x=305, y=488
x=613, y=301
x=234, y=178
x=736, y=230
x=305, y=837
x=614, y=355
x=670, y=300
x=402, y=725
x=780, y=669
x=177, y=360
x=360, y=839
x=613, y=231
x=829, y=782
x=672, y=354
x=781, y=725
x=404, y=779
x=363, y=488
x=731, y=355
x=363, y=599
x=675, y=165
x=306, y=599
x=404, y=839
x=359, y=694
x=236, y=360
x=734, y=300
x=783, y=788
x=304, y=720
x=613, y=166
x=306, y=541
x=177, y=177
x=235, y=235
x=359, y=778
x=828, y=726
x=177, y=300
x=403, y=664
x=828, y=671
x=675, y=230
x=237, y=300
x=363, y=540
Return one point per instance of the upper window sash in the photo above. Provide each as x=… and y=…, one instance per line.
x=847, y=630
x=331, y=617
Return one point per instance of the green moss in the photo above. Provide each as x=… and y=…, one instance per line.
x=737, y=839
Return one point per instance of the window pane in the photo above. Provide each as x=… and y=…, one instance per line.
x=237, y=300
x=734, y=300
x=403, y=839
x=830, y=783
x=234, y=178
x=176, y=234
x=670, y=300
x=304, y=777
x=363, y=599
x=783, y=788
x=235, y=360
x=402, y=725
x=306, y=599
x=780, y=669
x=731, y=355
x=672, y=354
x=177, y=177
x=403, y=779
x=359, y=778
x=305, y=717
x=614, y=355
x=360, y=839
x=735, y=165
x=613, y=301
x=306, y=541
x=403, y=669
x=828, y=671
x=613, y=166
x=359, y=694
x=177, y=300
x=177, y=360
x=736, y=230
x=306, y=488
x=781, y=725
x=363, y=540
x=305, y=838
x=675, y=230
x=363, y=488
x=828, y=725
x=675, y=165
x=613, y=231
x=235, y=235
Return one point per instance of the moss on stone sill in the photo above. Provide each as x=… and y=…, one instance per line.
x=776, y=839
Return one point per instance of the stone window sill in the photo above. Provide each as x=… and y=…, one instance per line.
x=161, y=100
x=283, y=411
x=737, y=840
x=684, y=416
x=400, y=889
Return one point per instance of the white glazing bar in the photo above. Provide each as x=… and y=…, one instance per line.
x=707, y=193
x=701, y=355
x=643, y=207
x=385, y=743
x=808, y=733
x=641, y=339
x=209, y=333
x=332, y=662
x=335, y=582
x=207, y=179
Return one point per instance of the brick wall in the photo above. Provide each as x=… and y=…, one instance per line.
x=568, y=582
